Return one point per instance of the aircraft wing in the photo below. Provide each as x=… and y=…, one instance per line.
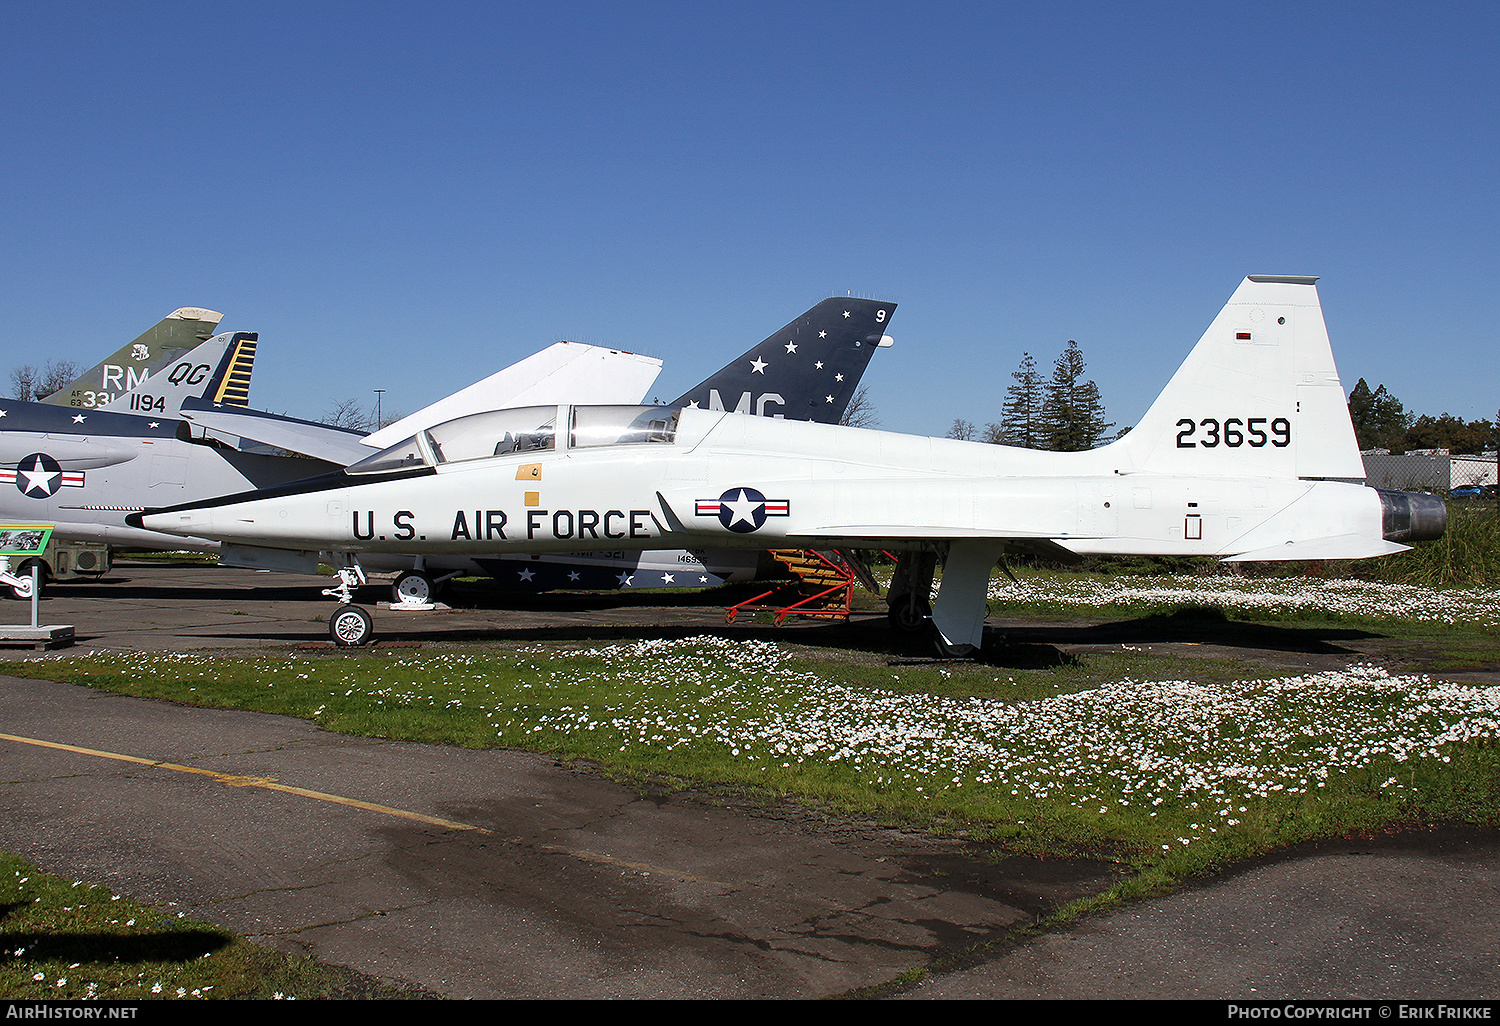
x=564, y=372
x=321, y=441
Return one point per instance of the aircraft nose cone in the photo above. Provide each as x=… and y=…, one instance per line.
x=1408, y=517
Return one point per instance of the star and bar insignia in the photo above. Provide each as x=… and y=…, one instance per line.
x=743, y=510
x=39, y=476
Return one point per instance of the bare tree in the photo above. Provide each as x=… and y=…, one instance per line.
x=32, y=384
x=963, y=430
x=348, y=414
x=23, y=383
x=58, y=375
x=861, y=412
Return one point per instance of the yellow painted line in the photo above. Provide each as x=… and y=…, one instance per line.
x=231, y=780
x=271, y=784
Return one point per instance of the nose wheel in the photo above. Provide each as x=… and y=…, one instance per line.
x=350, y=627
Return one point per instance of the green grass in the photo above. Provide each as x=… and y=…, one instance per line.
x=683, y=715
x=1467, y=556
x=63, y=940
x=957, y=748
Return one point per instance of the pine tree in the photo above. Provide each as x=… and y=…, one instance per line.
x=1072, y=413
x=1380, y=420
x=1020, y=417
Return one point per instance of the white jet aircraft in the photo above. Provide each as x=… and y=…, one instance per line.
x=178, y=433
x=1248, y=454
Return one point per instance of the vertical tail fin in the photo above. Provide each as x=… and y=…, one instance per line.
x=809, y=370
x=132, y=364
x=1258, y=396
x=233, y=387
x=207, y=371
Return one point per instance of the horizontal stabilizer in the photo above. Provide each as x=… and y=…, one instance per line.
x=320, y=441
x=1344, y=546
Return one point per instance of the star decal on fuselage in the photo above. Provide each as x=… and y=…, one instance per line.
x=743, y=510
x=39, y=476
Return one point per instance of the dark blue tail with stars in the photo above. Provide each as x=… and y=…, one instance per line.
x=809, y=370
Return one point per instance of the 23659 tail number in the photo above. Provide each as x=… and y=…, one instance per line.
x=1233, y=432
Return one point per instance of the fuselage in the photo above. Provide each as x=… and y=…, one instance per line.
x=86, y=470
x=721, y=480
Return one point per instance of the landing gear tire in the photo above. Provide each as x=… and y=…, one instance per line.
x=413, y=588
x=350, y=627
x=909, y=617
x=23, y=571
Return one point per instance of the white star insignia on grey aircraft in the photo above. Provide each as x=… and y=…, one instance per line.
x=818, y=365
x=38, y=478
x=79, y=418
x=573, y=575
x=626, y=578
x=846, y=313
x=822, y=334
x=667, y=579
x=791, y=347
x=758, y=366
x=527, y=575
x=828, y=399
x=838, y=377
x=154, y=424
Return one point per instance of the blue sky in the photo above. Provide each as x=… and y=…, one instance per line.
x=410, y=196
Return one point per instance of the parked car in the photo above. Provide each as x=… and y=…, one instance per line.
x=1465, y=492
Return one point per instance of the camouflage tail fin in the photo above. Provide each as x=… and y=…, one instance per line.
x=132, y=364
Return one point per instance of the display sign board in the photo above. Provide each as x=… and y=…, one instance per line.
x=24, y=539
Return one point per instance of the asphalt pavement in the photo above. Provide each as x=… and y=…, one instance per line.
x=499, y=874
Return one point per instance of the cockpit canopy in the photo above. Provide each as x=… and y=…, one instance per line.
x=524, y=430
